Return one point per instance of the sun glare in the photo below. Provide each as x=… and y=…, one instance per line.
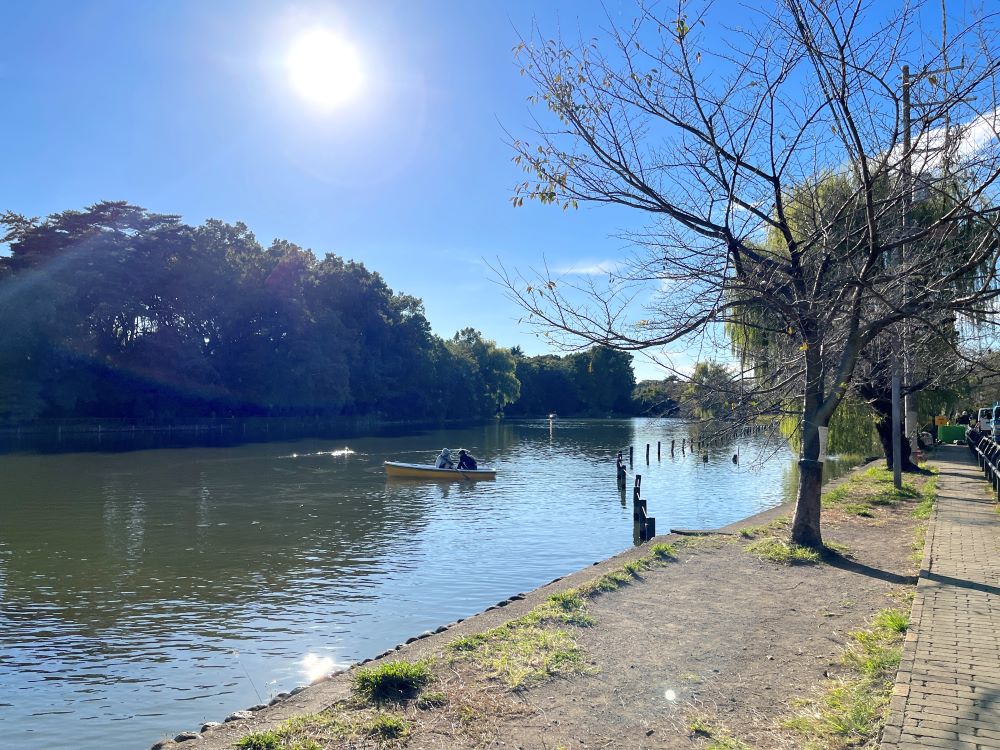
x=323, y=68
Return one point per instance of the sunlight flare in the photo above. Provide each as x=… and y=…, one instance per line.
x=314, y=667
x=323, y=68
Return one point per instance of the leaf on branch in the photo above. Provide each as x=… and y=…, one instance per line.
x=804, y=347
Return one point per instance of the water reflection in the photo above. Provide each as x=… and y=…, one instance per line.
x=214, y=577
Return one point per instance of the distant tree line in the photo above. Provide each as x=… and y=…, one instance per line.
x=117, y=312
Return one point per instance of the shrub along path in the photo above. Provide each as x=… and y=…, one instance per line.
x=948, y=687
x=725, y=641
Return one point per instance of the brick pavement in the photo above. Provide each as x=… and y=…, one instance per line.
x=947, y=692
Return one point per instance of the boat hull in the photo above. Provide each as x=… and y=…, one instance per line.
x=422, y=471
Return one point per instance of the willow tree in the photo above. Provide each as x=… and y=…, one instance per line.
x=724, y=139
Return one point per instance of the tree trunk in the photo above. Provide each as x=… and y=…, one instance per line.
x=805, y=525
x=883, y=425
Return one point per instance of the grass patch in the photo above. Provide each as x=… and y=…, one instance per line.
x=316, y=731
x=387, y=727
x=718, y=739
x=663, y=551
x=429, y=701
x=837, y=495
x=780, y=551
x=852, y=712
x=928, y=493
x=521, y=652
x=863, y=493
x=749, y=532
x=533, y=648
x=395, y=680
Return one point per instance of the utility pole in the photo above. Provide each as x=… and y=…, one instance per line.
x=900, y=362
x=909, y=400
x=906, y=169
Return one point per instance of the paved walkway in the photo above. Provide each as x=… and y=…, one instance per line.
x=947, y=691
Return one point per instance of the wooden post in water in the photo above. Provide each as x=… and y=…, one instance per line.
x=672, y=443
x=644, y=527
x=620, y=471
x=647, y=453
x=683, y=441
x=630, y=456
x=657, y=450
x=638, y=504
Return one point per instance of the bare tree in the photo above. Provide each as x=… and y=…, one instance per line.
x=779, y=180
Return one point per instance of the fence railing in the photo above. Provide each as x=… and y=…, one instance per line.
x=987, y=453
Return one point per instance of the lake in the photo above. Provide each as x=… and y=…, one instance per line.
x=144, y=592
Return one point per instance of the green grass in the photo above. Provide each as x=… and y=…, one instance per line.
x=316, y=731
x=749, y=532
x=534, y=647
x=521, y=652
x=863, y=493
x=718, y=739
x=852, y=711
x=927, y=495
x=663, y=551
x=262, y=741
x=836, y=495
x=428, y=701
x=780, y=551
x=385, y=726
x=395, y=680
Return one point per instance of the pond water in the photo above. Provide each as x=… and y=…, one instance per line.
x=145, y=592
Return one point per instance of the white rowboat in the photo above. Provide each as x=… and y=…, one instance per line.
x=423, y=471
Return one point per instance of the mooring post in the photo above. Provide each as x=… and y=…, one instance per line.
x=630, y=456
x=683, y=442
x=657, y=450
x=638, y=504
x=672, y=443
x=650, y=530
x=620, y=471
x=647, y=453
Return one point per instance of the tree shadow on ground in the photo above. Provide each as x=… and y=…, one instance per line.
x=960, y=582
x=837, y=560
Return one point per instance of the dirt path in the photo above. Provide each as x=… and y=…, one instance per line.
x=717, y=637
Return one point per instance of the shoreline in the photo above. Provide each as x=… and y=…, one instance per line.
x=334, y=687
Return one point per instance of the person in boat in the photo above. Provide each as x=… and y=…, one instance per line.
x=444, y=460
x=465, y=461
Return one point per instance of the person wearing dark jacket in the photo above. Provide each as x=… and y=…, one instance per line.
x=465, y=461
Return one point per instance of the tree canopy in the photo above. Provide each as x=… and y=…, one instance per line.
x=779, y=173
x=116, y=311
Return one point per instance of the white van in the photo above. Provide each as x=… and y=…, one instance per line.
x=984, y=420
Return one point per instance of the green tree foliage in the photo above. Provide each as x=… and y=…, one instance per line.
x=115, y=311
x=711, y=391
x=490, y=382
x=659, y=398
x=596, y=382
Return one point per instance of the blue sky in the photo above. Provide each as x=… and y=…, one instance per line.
x=185, y=107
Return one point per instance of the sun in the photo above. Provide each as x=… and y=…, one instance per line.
x=323, y=68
